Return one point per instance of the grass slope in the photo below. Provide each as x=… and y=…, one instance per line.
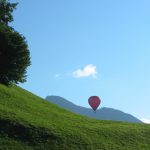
x=28, y=122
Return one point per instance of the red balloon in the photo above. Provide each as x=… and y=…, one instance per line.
x=94, y=102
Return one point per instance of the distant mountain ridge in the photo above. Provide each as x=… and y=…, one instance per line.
x=101, y=114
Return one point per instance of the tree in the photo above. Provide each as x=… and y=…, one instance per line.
x=6, y=9
x=14, y=56
x=14, y=52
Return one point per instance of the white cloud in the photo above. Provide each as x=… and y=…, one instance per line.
x=57, y=75
x=145, y=120
x=88, y=70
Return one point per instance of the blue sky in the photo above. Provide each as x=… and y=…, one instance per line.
x=81, y=48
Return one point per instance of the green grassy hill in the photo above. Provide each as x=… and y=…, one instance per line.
x=28, y=122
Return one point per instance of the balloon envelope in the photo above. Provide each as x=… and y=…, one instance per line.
x=94, y=102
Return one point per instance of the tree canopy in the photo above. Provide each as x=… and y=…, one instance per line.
x=14, y=52
x=6, y=9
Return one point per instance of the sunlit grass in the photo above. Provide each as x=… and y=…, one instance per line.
x=30, y=122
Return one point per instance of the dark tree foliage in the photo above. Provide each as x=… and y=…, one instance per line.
x=6, y=9
x=14, y=56
x=14, y=52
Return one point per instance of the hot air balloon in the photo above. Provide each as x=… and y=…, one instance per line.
x=94, y=102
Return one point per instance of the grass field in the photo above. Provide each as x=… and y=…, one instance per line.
x=28, y=122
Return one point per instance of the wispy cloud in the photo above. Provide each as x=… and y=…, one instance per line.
x=57, y=75
x=88, y=70
x=145, y=120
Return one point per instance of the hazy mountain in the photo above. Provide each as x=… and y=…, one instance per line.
x=102, y=113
